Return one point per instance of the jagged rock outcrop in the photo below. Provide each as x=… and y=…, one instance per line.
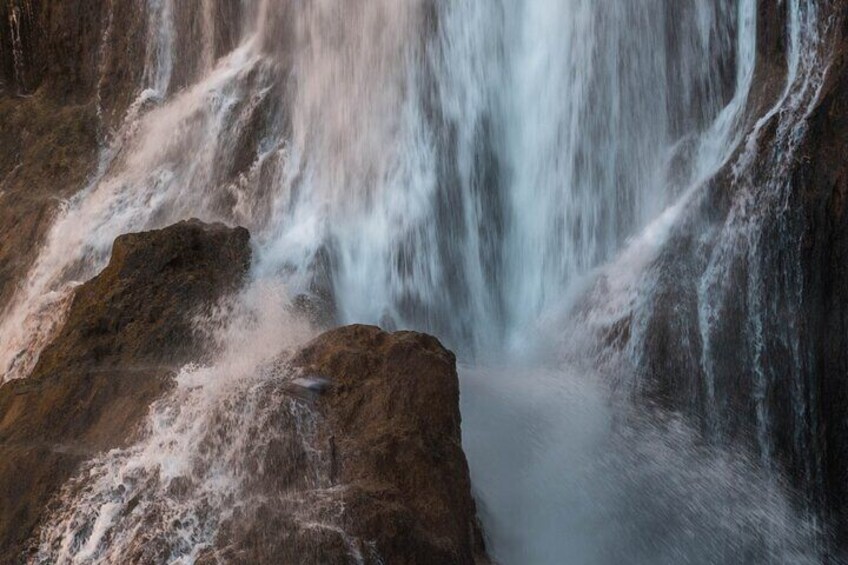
x=126, y=331
x=394, y=484
x=392, y=410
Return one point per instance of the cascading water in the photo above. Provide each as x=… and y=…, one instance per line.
x=589, y=172
x=506, y=175
x=447, y=213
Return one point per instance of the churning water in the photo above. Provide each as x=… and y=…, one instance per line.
x=500, y=173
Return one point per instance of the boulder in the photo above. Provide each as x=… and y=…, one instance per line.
x=127, y=330
x=392, y=412
x=392, y=480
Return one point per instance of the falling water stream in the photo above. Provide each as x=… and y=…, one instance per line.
x=501, y=174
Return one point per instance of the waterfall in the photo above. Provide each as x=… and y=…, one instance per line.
x=165, y=498
x=466, y=210
x=527, y=181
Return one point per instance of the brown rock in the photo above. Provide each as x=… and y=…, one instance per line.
x=389, y=406
x=127, y=329
x=47, y=151
x=393, y=411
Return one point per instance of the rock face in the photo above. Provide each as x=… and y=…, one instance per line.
x=70, y=70
x=785, y=395
x=391, y=480
x=72, y=47
x=821, y=179
x=392, y=410
x=126, y=331
x=64, y=83
x=47, y=150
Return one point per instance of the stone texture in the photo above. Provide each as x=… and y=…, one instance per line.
x=392, y=480
x=393, y=416
x=127, y=330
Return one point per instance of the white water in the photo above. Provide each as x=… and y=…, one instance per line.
x=741, y=235
x=164, y=499
x=597, y=484
x=502, y=174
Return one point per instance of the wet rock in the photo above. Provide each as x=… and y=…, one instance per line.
x=316, y=308
x=57, y=41
x=318, y=304
x=47, y=151
x=126, y=331
x=393, y=411
x=821, y=185
x=799, y=273
x=70, y=71
x=395, y=486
